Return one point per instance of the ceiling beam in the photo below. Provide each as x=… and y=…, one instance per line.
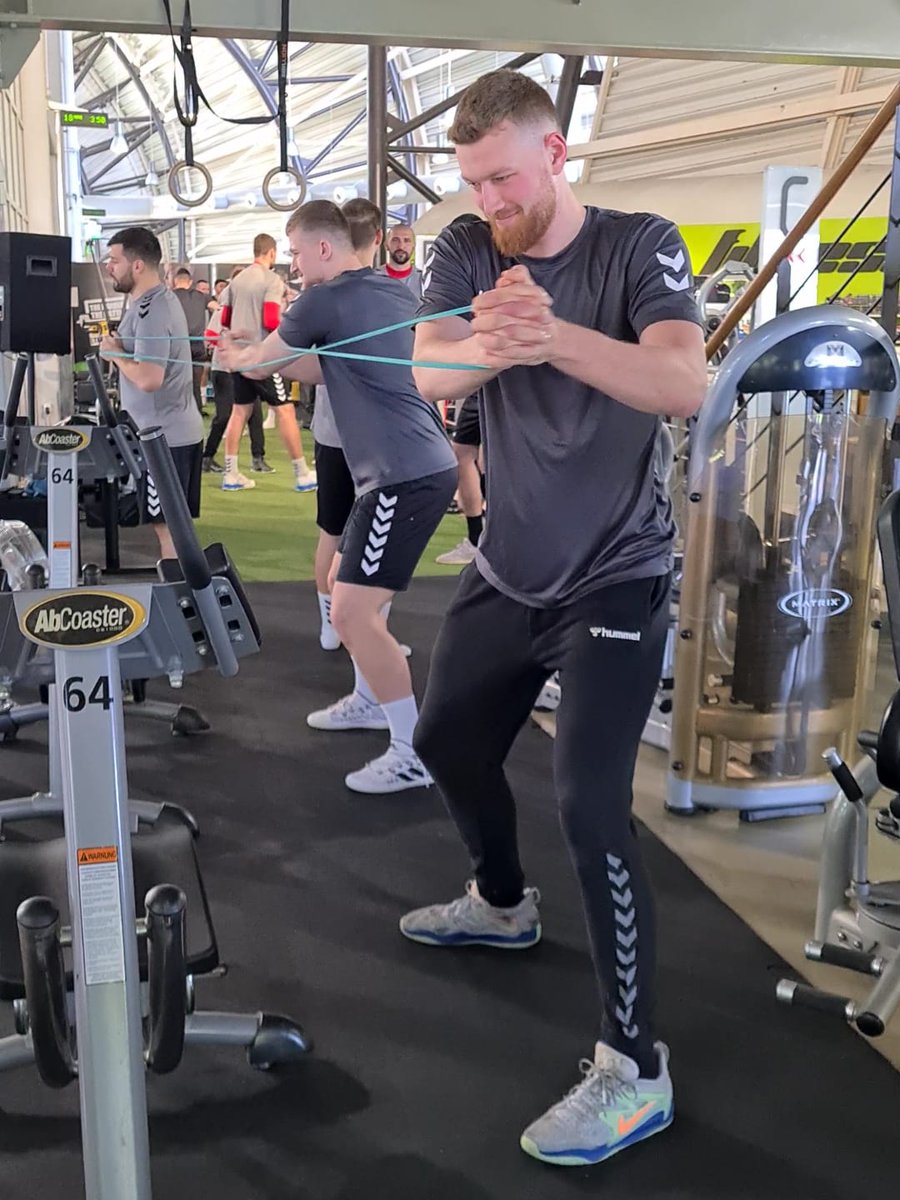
x=725, y=123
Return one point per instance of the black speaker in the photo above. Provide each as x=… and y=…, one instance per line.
x=35, y=293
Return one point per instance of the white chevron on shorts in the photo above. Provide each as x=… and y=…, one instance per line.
x=626, y=943
x=280, y=389
x=154, y=508
x=378, y=533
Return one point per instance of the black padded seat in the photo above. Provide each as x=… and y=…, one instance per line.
x=33, y=863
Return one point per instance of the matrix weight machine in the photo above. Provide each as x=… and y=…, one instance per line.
x=131, y=1004
x=777, y=622
x=857, y=924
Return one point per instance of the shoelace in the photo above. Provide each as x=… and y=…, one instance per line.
x=600, y=1084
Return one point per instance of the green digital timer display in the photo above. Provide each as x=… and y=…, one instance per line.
x=86, y=119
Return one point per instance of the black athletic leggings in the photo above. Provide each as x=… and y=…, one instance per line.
x=223, y=395
x=490, y=661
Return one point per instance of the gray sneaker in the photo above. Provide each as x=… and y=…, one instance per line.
x=471, y=921
x=610, y=1109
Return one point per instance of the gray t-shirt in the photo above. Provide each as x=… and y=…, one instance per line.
x=323, y=426
x=154, y=329
x=413, y=280
x=389, y=433
x=575, y=501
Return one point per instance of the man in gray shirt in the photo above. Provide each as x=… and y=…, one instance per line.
x=401, y=244
x=402, y=467
x=586, y=325
x=152, y=351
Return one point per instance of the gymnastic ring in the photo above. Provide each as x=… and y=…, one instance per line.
x=277, y=204
x=194, y=201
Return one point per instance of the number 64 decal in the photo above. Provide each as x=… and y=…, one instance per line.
x=75, y=699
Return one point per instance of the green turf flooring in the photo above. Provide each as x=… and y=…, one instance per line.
x=271, y=531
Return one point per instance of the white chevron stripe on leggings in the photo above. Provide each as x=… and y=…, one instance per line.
x=625, y=918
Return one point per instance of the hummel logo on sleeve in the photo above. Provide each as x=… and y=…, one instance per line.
x=676, y=263
x=621, y=635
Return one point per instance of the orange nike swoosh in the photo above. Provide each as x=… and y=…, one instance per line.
x=626, y=1126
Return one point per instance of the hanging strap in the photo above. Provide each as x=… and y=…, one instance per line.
x=193, y=92
x=283, y=39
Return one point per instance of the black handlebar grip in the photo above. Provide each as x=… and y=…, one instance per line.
x=20, y=370
x=106, y=409
x=193, y=562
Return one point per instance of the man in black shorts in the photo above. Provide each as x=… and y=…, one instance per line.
x=403, y=469
x=252, y=306
x=336, y=494
x=586, y=320
x=155, y=380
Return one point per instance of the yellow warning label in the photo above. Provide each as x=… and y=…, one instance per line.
x=97, y=854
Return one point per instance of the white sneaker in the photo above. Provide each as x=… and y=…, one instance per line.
x=305, y=483
x=396, y=770
x=328, y=638
x=234, y=481
x=350, y=712
x=459, y=556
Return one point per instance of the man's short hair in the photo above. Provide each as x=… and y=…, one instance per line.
x=220, y=280
x=502, y=95
x=364, y=218
x=321, y=216
x=138, y=242
x=262, y=244
x=400, y=225
x=183, y=273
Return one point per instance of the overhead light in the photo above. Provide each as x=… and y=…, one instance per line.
x=440, y=159
x=573, y=170
x=152, y=179
x=292, y=196
x=118, y=145
x=397, y=190
x=292, y=148
x=344, y=192
x=249, y=201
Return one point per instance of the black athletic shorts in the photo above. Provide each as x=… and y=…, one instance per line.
x=467, y=431
x=335, y=494
x=188, y=462
x=273, y=390
x=389, y=528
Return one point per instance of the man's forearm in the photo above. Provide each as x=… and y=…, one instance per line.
x=436, y=384
x=144, y=375
x=652, y=379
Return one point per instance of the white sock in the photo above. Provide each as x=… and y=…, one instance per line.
x=386, y=609
x=231, y=467
x=325, y=610
x=300, y=467
x=402, y=716
x=360, y=686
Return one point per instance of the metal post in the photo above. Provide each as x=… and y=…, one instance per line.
x=377, y=109
x=567, y=90
x=892, y=245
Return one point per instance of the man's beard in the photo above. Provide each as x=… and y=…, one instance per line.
x=513, y=239
x=125, y=284
x=399, y=257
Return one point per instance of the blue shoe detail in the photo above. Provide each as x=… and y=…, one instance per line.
x=305, y=487
x=590, y=1156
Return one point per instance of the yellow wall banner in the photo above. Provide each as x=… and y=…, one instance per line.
x=711, y=246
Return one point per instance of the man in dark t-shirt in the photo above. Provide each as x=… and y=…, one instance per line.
x=586, y=322
x=194, y=304
x=403, y=469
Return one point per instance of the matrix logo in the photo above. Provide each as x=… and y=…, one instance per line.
x=82, y=618
x=60, y=441
x=815, y=603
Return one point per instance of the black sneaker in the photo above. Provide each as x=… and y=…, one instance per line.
x=260, y=465
x=211, y=466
